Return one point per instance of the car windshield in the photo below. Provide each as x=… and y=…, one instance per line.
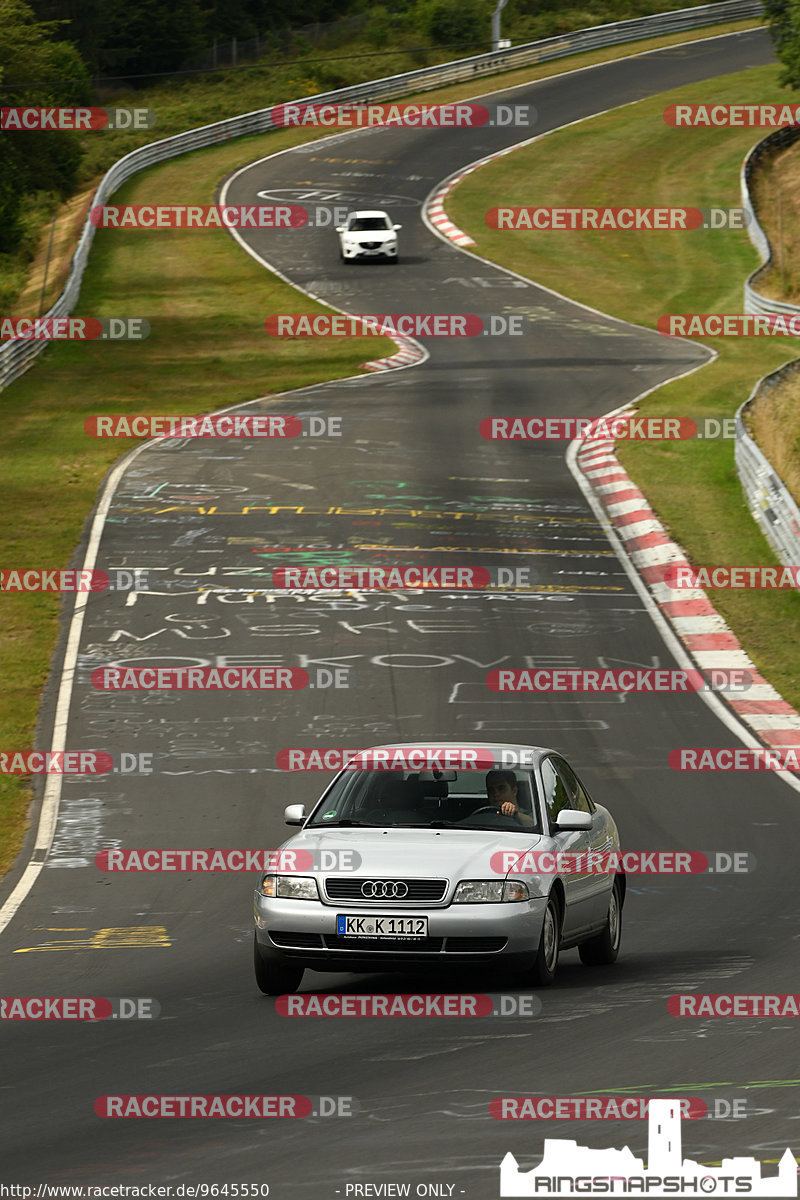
x=359, y=224
x=432, y=799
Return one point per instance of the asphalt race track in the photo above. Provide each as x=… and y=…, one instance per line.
x=410, y=480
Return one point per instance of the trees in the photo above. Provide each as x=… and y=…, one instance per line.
x=784, y=22
x=35, y=70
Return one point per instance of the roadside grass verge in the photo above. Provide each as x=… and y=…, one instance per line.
x=774, y=419
x=630, y=157
x=774, y=422
x=206, y=301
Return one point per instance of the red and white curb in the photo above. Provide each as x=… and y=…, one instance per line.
x=433, y=208
x=438, y=217
x=694, y=620
x=410, y=352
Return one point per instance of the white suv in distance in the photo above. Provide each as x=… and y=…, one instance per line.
x=368, y=234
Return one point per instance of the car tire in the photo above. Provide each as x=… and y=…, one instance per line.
x=273, y=976
x=395, y=259
x=604, y=948
x=543, y=971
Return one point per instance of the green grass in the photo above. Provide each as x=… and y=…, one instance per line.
x=630, y=156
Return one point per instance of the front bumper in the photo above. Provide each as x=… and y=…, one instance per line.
x=379, y=252
x=305, y=931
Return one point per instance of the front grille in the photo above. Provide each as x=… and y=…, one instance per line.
x=384, y=944
x=420, y=891
x=305, y=940
x=369, y=245
x=474, y=945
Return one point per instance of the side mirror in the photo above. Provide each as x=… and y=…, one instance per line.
x=397, y=227
x=294, y=814
x=572, y=818
x=339, y=229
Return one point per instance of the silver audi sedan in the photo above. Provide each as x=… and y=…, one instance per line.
x=429, y=856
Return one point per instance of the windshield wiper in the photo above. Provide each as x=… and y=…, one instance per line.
x=427, y=825
x=346, y=821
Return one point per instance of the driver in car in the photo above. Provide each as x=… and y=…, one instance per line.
x=501, y=791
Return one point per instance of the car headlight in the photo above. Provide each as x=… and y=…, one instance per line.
x=490, y=891
x=290, y=887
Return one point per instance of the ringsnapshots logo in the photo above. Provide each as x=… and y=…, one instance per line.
x=463, y=115
x=359, y=325
x=74, y=329
x=567, y=1169
x=80, y=120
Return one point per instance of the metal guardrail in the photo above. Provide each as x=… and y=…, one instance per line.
x=754, y=302
x=767, y=497
x=18, y=355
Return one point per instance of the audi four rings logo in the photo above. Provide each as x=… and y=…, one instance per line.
x=384, y=889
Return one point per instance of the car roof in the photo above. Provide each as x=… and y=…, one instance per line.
x=433, y=744
x=368, y=212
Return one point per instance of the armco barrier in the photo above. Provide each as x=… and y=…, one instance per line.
x=768, y=499
x=16, y=356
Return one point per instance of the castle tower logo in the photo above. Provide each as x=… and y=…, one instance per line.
x=568, y=1169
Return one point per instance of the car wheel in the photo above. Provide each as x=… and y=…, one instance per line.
x=395, y=259
x=604, y=948
x=274, y=977
x=544, y=968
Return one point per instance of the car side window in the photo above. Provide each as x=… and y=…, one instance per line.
x=578, y=796
x=555, y=793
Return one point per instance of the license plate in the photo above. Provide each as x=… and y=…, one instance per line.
x=372, y=925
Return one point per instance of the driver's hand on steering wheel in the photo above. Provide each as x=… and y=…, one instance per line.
x=508, y=808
